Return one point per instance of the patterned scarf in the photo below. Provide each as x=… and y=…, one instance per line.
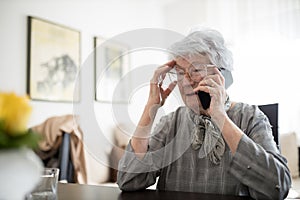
x=207, y=137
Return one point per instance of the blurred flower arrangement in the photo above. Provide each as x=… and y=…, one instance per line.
x=14, y=114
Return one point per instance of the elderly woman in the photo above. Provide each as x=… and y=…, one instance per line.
x=210, y=145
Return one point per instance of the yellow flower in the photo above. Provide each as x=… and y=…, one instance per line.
x=14, y=113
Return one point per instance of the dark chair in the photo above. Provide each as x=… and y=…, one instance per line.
x=60, y=158
x=271, y=111
x=64, y=159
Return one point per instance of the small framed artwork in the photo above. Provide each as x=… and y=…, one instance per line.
x=53, y=61
x=112, y=81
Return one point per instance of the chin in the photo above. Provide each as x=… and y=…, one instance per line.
x=193, y=103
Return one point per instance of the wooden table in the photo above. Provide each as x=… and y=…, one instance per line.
x=90, y=192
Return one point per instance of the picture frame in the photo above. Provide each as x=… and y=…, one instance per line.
x=53, y=61
x=112, y=83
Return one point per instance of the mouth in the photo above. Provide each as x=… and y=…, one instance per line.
x=190, y=94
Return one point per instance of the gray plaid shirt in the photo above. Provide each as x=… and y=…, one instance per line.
x=256, y=169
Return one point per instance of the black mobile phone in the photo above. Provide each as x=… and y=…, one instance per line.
x=205, y=97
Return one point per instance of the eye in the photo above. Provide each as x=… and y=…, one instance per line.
x=180, y=72
x=198, y=70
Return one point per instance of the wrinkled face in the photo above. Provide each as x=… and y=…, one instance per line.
x=189, y=74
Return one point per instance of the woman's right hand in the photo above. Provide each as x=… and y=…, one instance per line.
x=157, y=97
x=157, y=94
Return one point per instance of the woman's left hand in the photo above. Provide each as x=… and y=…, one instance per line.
x=214, y=84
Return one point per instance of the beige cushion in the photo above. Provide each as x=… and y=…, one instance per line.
x=97, y=172
x=289, y=149
x=121, y=135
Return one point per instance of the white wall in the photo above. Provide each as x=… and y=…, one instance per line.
x=264, y=36
x=104, y=18
x=91, y=17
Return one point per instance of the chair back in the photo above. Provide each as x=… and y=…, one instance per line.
x=271, y=111
x=64, y=159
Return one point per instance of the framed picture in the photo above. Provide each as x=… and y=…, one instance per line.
x=112, y=83
x=53, y=61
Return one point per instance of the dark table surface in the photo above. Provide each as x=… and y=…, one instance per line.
x=83, y=192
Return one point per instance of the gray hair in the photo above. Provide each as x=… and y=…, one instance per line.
x=206, y=42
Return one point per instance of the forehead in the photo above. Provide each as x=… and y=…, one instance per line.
x=187, y=61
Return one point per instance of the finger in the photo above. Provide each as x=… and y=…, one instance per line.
x=217, y=78
x=172, y=85
x=162, y=96
x=210, y=69
x=170, y=88
x=216, y=73
x=204, y=82
x=161, y=90
x=202, y=88
x=165, y=93
x=213, y=80
x=162, y=78
x=206, y=86
x=171, y=63
x=161, y=71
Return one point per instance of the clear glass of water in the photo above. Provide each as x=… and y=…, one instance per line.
x=47, y=187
